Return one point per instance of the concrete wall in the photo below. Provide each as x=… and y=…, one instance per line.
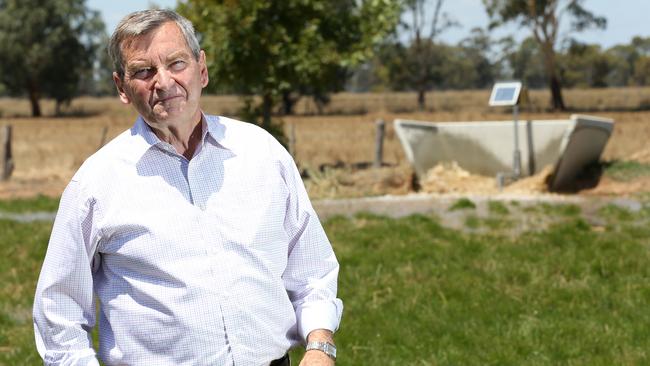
x=486, y=148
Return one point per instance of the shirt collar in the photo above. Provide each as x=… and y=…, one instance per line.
x=142, y=129
x=210, y=125
x=217, y=130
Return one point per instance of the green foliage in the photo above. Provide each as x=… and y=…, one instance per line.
x=468, y=65
x=616, y=213
x=417, y=293
x=585, y=66
x=472, y=222
x=37, y=204
x=626, y=171
x=543, y=17
x=541, y=13
x=462, y=204
x=629, y=63
x=46, y=46
x=464, y=66
x=23, y=249
x=274, y=48
x=497, y=207
x=642, y=71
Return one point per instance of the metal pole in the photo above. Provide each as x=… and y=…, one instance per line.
x=517, y=154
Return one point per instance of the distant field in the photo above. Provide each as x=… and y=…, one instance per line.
x=48, y=150
x=571, y=288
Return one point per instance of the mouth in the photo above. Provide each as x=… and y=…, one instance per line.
x=166, y=99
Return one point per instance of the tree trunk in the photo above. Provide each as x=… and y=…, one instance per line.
x=422, y=65
x=34, y=97
x=421, y=98
x=287, y=103
x=556, y=93
x=557, y=102
x=267, y=106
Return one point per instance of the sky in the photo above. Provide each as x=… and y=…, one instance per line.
x=625, y=18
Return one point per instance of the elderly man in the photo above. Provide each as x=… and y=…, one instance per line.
x=193, y=232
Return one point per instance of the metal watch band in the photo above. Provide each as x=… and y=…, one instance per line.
x=326, y=347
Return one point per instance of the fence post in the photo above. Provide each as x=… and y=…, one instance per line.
x=380, y=128
x=6, y=160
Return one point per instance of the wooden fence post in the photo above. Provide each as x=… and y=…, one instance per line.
x=6, y=160
x=380, y=127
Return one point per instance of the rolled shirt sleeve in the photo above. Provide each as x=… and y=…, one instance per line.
x=64, y=309
x=312, y=268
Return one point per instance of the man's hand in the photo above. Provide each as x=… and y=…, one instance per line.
x=316, y=357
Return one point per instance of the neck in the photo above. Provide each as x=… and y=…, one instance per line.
x=185, y=138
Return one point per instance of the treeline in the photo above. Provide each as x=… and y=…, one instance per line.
x=474, y=64
x=275, y=52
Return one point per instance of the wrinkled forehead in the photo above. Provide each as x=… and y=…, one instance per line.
x=165, y=36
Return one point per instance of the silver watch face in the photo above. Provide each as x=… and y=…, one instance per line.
x=331, y=350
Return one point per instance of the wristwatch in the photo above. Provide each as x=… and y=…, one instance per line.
x=326, y=347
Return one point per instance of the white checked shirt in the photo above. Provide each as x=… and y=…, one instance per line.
x=219, y=260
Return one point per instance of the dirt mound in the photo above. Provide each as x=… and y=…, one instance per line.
x=451, y=178
x=642, y=156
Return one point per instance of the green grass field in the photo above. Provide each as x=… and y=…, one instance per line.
x=417, y=293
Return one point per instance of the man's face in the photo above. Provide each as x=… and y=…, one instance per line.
x=162, y=78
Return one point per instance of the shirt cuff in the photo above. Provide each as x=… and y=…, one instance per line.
x=81, y=357
x=319, y=315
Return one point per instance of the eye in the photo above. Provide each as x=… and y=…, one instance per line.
x=178, y=65
x=143, y=73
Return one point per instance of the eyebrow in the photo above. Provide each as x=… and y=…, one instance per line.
x=177, y=54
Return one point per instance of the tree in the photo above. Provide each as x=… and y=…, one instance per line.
x=642, y=71
x=543, y=18
x=422, y=44
x=527, y=65
x=44, y=46
x=274, y=48
x=585, y=65
x=642, y=62
x=621, y=58
x=477, y=49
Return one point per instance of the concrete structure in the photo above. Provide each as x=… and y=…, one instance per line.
x=486, y=148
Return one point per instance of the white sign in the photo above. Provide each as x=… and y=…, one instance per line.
x=505, y=94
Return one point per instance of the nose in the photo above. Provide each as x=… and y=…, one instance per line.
x=163, y=79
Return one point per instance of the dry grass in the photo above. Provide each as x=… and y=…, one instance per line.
x=48, y=150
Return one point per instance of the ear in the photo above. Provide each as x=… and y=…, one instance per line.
x=119, y=84
x=203, y=67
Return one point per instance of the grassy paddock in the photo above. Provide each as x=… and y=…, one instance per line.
x=417, y=293
x=23, y=248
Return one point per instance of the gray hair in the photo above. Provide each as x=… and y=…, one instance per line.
x=141, y=23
